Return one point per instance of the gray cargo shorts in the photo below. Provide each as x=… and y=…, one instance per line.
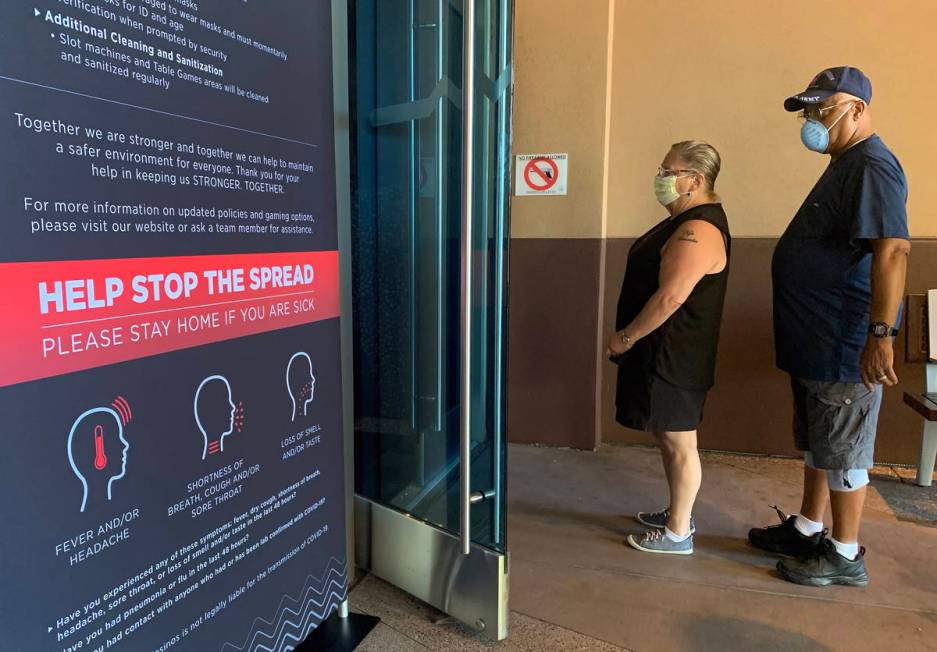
x=836, y=422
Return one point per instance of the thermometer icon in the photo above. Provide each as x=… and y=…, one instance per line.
x=100, y=459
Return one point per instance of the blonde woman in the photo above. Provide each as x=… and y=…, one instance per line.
x=669, y=313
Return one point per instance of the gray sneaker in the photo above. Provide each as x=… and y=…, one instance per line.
x=659, y=519
x=657, y=541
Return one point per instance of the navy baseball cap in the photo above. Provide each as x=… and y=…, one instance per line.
x=843, y=79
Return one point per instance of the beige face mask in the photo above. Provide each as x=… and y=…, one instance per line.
x=665, y=189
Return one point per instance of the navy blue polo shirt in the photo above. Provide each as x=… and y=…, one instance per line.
x=822, y=265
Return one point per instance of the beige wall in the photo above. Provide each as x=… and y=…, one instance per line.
x=561, y=52
x=614, y=83
x=719, y=72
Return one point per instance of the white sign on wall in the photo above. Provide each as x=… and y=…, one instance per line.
x=932, y=325
x=541, y=174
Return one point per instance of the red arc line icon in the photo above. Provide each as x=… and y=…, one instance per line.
x=541, y=178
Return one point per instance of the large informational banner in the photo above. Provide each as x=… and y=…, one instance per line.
x=170, y=389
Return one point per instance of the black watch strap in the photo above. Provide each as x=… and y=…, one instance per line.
x=881, y=329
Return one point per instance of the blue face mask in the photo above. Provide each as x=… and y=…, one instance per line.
x=815, y=136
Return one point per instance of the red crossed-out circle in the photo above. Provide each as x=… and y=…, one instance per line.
x=538, y=178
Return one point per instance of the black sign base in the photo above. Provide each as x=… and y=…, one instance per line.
x=339, y=634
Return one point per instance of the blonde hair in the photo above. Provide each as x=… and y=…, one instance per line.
x=701, y=157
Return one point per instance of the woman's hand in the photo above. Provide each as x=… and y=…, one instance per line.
x=618, y=345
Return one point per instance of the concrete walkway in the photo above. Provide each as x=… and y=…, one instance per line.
x=576, y=586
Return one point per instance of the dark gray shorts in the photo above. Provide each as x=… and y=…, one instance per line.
x=836, y=422
x=648, y=402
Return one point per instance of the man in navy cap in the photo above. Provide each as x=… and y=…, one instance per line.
x=838, y=273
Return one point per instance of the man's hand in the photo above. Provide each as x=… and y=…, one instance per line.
x=889, y=268
x=877, y=363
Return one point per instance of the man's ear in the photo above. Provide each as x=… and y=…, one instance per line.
x=859, y=109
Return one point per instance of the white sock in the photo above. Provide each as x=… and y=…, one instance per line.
x=848, y=550
x=807, y=527
x=673, y=536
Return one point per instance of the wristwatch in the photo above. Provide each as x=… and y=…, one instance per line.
x=881, y=329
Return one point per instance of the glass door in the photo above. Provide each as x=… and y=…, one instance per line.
x=429, y=245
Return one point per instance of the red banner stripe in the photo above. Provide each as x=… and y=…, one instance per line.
x=88, y=323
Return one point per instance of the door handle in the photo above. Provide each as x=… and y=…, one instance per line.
x=468, y=133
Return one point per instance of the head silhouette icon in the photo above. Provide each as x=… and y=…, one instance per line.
x=214, y=413
x=97, y=450
x=300, y=383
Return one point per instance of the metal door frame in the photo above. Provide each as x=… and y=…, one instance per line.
x=428, y=563
x=468, y=581
x=340, y=58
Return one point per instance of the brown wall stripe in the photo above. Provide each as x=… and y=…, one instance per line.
x=551, y=365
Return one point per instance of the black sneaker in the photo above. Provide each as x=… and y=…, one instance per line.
x=825, y=567
x=784, y=539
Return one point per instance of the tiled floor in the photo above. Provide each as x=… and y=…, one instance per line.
x=575, y=586
x=409, y=625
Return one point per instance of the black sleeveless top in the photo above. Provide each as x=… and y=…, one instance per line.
x=683, y=350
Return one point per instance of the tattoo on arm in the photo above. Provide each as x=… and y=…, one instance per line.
x=688, y=236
